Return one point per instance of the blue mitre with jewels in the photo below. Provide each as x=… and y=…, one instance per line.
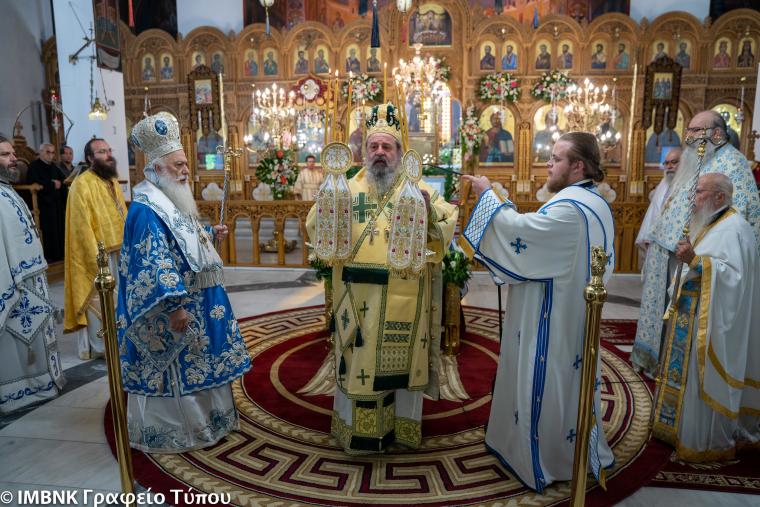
x=156, y=136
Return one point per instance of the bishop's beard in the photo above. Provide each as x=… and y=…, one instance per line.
x=380, y=175
x=700, y=219
x=688, y=165
x=179, y=193
x=106, y=169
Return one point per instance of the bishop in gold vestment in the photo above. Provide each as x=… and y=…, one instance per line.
x=383, y=323
x=95, y=212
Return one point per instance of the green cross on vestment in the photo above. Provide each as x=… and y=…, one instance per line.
x=361, y=206
x=344, y=318
x=363, y=376
x=364, y=309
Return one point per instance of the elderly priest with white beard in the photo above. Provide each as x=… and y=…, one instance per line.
x=708, y=401
x=660, y=265
x=384, y=344
x=545, y=259
x=179, y=342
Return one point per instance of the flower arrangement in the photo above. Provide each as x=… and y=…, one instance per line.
x=499, y=87
x=456, y=268
x=555, y=80
x=472, y=135
x=279, y=172
x=363, y=87
x=444, y=69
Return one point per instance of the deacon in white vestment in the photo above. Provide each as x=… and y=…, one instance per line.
x=179, y=342
x=544, y=257
x=660, y=263
x=657, y=199
x=30, y=367
x=708, y=404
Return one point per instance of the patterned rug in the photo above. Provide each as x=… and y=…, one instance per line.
x=283, y=454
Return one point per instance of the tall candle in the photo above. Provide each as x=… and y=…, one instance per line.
x=385, y=81
x=348, y=109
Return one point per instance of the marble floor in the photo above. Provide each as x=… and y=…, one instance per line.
x=61, y=445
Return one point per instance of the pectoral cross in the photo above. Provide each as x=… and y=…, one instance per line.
x=373, y=231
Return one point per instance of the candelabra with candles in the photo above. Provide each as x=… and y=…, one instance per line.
x=606, y=133
x=587, y=111
x=273, y=115
x=585, y=106
x=420, y=81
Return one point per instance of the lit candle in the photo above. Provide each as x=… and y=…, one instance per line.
x=336, y=87
x=385, y=81
x=348, y=110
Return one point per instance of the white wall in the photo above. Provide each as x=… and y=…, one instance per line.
x=225, y=15
x=75, y=87
x=650, y=9
x=25, y=26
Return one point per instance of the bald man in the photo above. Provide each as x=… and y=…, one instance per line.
x=51, y=200
x=707, y=406
x=707, y=128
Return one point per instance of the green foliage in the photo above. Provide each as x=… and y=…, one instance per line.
x=322, y=270
x=456, y=268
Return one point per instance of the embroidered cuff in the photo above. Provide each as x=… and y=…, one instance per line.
x=488, y=204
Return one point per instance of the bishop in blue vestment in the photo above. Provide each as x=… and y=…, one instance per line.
x=179, y=342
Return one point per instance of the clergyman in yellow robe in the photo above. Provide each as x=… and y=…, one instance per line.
x=95, y=212
x=384, y=344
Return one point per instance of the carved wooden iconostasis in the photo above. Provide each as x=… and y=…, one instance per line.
x=717, y=59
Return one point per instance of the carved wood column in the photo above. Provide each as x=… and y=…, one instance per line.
x=524, y=139
x=635, y=166
x=188, y=145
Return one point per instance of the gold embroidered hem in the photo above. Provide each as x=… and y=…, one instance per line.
x=375, y=427
x=694, y=456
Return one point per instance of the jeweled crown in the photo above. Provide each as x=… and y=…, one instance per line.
x=156, y=135
x=384, y=119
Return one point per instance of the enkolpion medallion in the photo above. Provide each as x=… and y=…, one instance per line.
x=333, y=226
x=408, y=239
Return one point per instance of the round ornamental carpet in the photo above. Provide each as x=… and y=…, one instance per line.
x=284, y=455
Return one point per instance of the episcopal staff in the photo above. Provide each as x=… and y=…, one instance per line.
x=667, y=231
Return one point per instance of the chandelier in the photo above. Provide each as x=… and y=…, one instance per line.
x=420, y=83
x=587, y=111
x=272, y=117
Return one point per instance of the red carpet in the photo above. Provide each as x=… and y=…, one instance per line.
x=283, y=452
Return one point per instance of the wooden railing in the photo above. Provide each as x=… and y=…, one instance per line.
x=273, y=233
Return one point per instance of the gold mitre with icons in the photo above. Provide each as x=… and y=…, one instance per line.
x=156, y=135
x=385, y=119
